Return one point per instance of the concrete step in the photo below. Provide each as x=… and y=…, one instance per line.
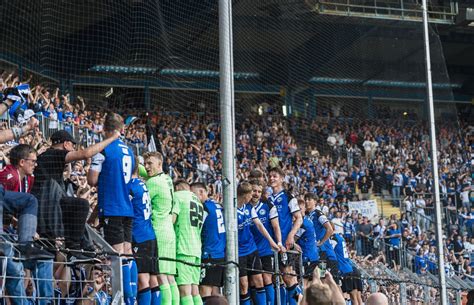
x=385, y=207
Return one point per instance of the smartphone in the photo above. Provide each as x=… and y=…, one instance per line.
x=322, y=270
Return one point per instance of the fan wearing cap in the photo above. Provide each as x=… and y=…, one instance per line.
x=49, y=184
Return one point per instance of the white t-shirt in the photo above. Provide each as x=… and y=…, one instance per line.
x=464, y=196
x=367, y=145
x=338, y=225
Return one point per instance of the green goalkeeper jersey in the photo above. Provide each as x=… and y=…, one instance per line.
x=161, y=192
x=188, y=224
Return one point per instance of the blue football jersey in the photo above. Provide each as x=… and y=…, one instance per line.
x=286, y=205
x=142, y=226
x=343, y=261
x=115, y=164
x=394, y=241
x=307, y=241
x=319, y=219
x=421, y=264
x=265, y=212
x=213, y=231
x=245, y=216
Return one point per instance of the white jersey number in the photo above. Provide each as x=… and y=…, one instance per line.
x=127, y=168
x=220, y=221
x=147, y=202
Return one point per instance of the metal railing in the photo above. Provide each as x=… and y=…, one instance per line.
x=392, y=10
x=42, y=281
x=83, y=135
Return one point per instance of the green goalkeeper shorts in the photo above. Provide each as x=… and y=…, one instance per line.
x=188, y=274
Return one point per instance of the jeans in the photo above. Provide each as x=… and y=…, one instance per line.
x=14, y=283
x=42, y=272
x=359, y=246
x=396, y=195
x=27, y=207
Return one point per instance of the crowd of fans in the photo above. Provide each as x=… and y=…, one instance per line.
x=346, y=160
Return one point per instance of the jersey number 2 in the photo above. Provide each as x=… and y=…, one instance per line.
x=196, y=214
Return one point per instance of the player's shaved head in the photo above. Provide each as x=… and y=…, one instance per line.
x=113, y=122
x=377, y=299
x=181, y=185
x=244, y=188
x=200, y=190
x=199, y=185
x=318, y=294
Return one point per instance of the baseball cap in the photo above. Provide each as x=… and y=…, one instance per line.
x=61, y=136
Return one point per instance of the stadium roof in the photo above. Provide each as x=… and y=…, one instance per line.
x=281, y=42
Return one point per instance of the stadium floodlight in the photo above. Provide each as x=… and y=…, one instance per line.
x=205, y=73
x=381, y=83
x=170, y=72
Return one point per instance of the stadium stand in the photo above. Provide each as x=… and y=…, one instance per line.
x=355, y=161
x=328, y=94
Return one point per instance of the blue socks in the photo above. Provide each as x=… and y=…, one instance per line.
x=293, y=294
x=144, y=297
x=253, y=294
x=283, y=299
x=155, y=296
x=261, y=296
x=245, y=299
x=133, y=277
x=127, y=288
x=270, y=291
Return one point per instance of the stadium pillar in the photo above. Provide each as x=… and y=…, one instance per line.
x=434, y=157
x=226, y=67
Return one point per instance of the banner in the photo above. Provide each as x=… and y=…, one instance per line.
x=366, y=208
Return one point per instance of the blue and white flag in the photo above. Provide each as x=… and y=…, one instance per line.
x=152, y=144
x=20, y=98
x=24, y=90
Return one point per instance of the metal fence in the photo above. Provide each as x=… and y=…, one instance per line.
x=84, y=136
x=29, y=281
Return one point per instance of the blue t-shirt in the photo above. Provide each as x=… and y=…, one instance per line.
x=319, y=220
x=68, y=114
x=265, y=212
x=394, y=241
x=245, y=216
x=213, y=231
x=343, y=261
x=307, y=241
x=115, y=164
x=286, y=205
x=420, y=263
x=348, y=229
x=142, y=226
